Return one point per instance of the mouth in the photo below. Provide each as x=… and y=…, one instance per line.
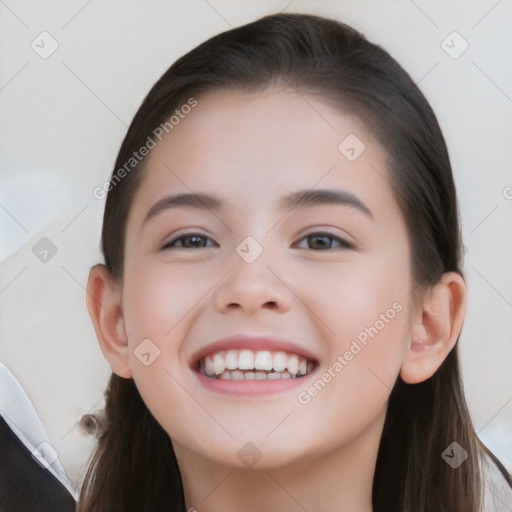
x=253, y=365
x=247, y=364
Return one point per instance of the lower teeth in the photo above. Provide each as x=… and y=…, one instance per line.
x=249, y=375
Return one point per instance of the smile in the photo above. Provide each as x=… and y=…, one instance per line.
x=246, y=364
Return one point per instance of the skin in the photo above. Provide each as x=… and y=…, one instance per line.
x=251, y=149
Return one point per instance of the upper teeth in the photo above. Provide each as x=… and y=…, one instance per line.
x=245, y=359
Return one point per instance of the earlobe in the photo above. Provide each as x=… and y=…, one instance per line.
x=104, y=306
x=435, y=328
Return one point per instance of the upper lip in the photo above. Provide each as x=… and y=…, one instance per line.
x=251, y=342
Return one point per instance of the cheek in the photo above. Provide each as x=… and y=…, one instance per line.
x=157, y=297
x=363, y=309
x=361, y=300
x=365, y=355
x=159, y=301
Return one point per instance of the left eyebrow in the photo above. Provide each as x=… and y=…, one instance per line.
x=299, y=199
x=315, y=197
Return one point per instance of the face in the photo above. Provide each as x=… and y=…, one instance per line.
x=275, y=312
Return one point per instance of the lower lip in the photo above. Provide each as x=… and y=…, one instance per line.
x=251, y=386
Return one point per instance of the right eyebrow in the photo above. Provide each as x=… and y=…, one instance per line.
x=196, y=200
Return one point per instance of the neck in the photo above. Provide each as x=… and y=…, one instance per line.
x=341, y=479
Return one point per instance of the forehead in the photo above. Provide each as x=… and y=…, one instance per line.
x=242, y=130
x=255, y=146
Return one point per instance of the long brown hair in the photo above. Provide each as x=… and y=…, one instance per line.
x=134, y=467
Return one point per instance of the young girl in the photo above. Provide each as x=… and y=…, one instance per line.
x=282, y=293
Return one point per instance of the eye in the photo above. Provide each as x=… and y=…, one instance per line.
x=323, y=241
x=189, y=241
x=316, y=241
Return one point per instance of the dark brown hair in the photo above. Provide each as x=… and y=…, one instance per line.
x=134, y=467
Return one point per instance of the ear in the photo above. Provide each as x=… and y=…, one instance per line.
x=435, y=327
x=104, y=306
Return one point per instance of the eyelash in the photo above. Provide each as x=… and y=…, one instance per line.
x=343, y=244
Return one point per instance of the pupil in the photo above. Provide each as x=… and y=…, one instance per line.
x=194, y=241
x=319, y=241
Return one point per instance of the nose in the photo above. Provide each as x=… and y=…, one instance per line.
x=251, y=287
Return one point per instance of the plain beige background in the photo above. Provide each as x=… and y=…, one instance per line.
x=64, y=116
